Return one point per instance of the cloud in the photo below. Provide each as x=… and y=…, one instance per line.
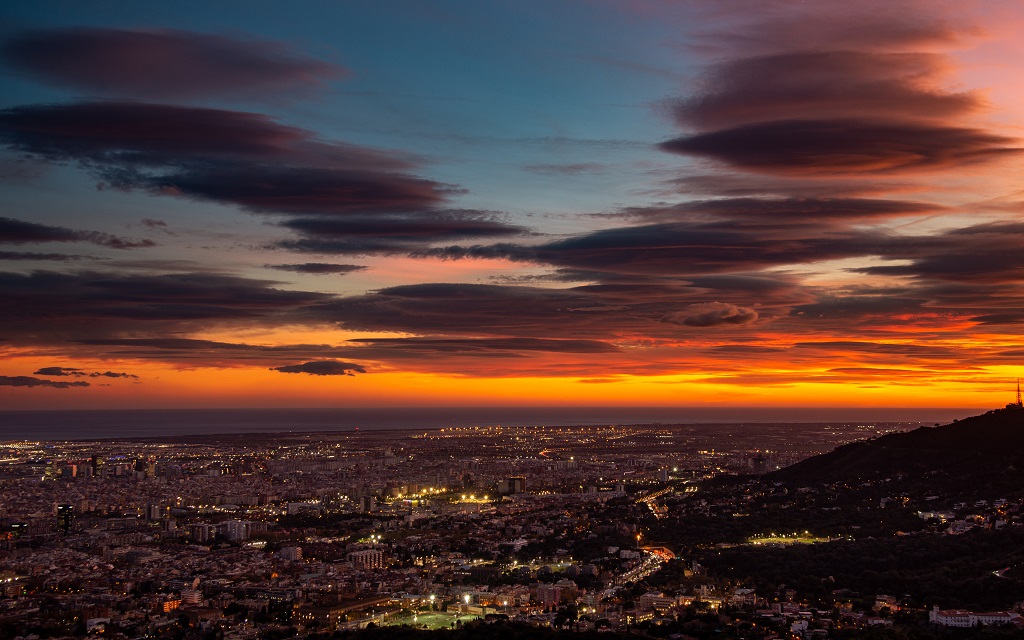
x=954, y=256
x=389, y=233
x=60, y=371
x=466, y=355
x=807, y=84
x=20, y=232
x=463, y=319
x=1000, y=319
x=487, y=346
x=901, y=350
x=471, y=310
x=745, y=350
x=816, y=131
x=46, y=307
x=844, y=147
x=112, y=374
x=732, y=184
x=317, y=268
x=158, y=225
x=572, y=169
x=232, y=157
x=51, y=257
x=345, y=199
x=712, y=314
x=854, y=306
x=295, y=190
x=782, y=210
x=28, y=381
x=736, y=25
x=79, y=373
x=164, y=63
x=681, y=248
x=808, y=94
x=322, y=368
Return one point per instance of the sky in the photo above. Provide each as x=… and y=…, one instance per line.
x=546, y=203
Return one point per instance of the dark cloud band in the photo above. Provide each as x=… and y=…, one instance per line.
x=164, y=63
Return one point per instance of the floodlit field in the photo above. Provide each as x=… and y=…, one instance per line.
x=786, y=538
x=431, y=620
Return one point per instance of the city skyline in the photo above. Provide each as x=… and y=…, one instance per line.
x=456, y=203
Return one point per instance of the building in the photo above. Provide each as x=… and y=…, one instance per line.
x=236, y=530
x=367, y=559
x=655, y=600
x=967, y=619
x=65, y=517
x=328, y=615
x=303, y=508
x=512, y=486
x=549, y=595
x=759, y=465
x=202, y=532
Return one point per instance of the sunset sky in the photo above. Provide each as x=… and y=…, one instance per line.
x=335, y=204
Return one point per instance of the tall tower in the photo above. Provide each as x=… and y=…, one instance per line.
x=1019, y=403
x=65, y=516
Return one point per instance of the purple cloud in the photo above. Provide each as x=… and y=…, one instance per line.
x=711, y=314
x=232, y=157
x=28, y=381
x=844, y=146
x=164, y=63
x=322, y=368
x=20, y=232
x=317, y=268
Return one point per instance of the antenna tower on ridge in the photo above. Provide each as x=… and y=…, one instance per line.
x=1019, y=403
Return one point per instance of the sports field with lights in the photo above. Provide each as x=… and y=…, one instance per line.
x=430, y=620
x=786, y=538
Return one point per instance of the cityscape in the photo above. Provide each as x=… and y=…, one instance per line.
x=583, y=528
x=512, y=320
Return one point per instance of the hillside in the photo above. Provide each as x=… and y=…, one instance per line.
x=986, y=448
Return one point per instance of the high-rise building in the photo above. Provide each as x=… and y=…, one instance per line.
x=65, y=517
x=202, y=532
x=236, y=530
x=759, y=464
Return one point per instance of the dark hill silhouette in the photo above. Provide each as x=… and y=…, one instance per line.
x=988, y=448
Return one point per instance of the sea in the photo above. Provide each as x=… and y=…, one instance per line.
x=61, y=425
